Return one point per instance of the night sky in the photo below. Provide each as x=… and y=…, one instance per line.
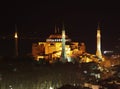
x=36, y=21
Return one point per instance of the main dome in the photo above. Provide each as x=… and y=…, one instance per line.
x=56, y=38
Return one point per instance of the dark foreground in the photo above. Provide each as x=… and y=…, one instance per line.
x=28, y=74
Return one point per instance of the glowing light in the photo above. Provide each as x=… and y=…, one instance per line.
x=98, y=52
x=69, y=59
x=51, y=87
x=59, y=39
x=16, y=36
x=105, y=52
x=63, y=35
x=10, y=86
x=85, y=72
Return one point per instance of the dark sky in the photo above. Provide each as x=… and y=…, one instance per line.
x=38, y=19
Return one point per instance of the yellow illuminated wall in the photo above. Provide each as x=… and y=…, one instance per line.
x=52, y=48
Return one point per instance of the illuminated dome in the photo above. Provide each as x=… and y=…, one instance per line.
x=56, y=38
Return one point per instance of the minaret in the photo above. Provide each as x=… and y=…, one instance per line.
x=16, y=41
x=55, y=29
x=98, y=52
x=63, y=54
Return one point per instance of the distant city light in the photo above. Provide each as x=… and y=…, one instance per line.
x=85, y=72
x=51, y=87
x=105, y=52
x=10, y=86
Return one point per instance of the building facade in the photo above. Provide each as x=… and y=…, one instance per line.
x=52, y=48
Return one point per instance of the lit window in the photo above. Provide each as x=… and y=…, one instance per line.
x=52, y=40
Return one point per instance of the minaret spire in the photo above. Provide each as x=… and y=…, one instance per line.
x=58, y=29
x=98, y=28
x=98, y=51
x=63, y=55
x=55, y=29
x=16, y=41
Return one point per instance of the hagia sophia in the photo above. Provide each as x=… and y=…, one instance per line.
x=59, y=46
